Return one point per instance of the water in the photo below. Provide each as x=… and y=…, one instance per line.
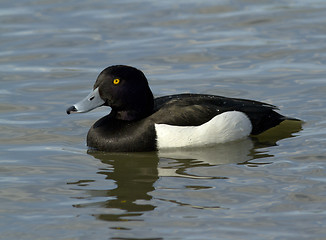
x=53, y=188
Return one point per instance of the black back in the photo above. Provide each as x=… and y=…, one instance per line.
x=196, y=109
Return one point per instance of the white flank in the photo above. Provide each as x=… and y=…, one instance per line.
x=225, y=127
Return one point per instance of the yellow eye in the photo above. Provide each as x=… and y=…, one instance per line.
x=116, y=81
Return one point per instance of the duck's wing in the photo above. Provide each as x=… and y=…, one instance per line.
x=196, y=109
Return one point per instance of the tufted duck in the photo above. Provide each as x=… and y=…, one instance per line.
x=138, y=122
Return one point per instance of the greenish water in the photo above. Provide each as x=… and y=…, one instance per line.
x=52, y=187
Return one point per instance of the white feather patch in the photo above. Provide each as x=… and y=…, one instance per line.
x=225, y=127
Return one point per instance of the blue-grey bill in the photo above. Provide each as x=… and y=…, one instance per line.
x=93, y=100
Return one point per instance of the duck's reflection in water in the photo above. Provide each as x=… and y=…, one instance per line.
x=135, y=174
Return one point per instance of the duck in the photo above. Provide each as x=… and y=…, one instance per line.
x=138, y=122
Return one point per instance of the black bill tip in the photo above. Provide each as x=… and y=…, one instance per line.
x=71, y=109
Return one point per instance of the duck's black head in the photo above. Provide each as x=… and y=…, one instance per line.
x=125, y=89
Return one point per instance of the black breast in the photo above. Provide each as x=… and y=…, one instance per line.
x=109, y=134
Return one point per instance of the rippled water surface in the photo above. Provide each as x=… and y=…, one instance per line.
x=52, y=187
